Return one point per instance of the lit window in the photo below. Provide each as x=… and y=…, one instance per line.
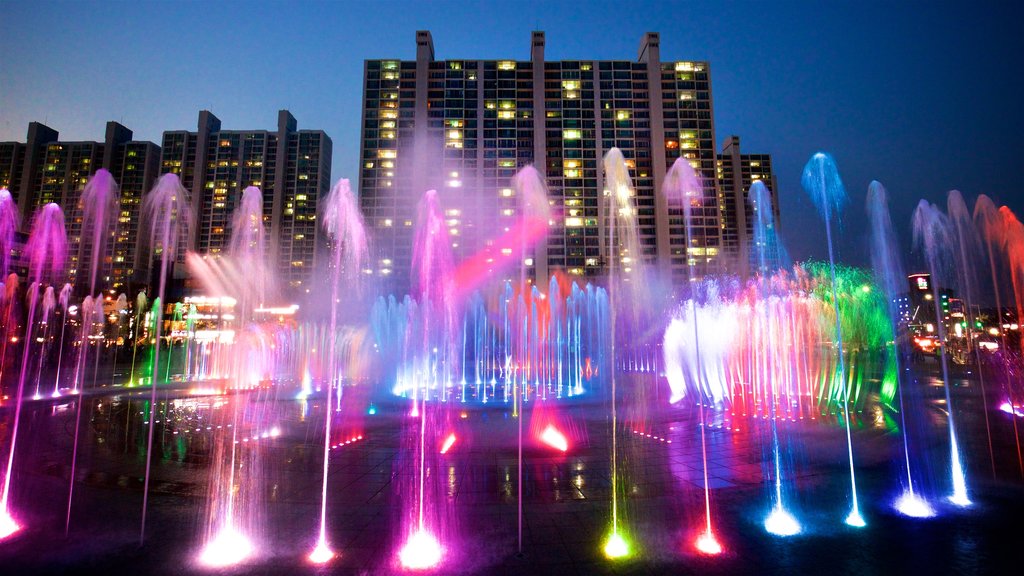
x=571, y=134
x=507, y=65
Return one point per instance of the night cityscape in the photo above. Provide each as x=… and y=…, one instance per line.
x=529, y=288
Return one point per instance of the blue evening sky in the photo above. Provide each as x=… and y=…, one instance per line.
x=922, y=96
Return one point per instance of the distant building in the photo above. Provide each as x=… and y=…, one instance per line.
x=291, y=167
x=737, y=172
x=916, y=309
x=45, y=169
x=465, y=126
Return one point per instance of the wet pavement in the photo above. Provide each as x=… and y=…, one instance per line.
x=473, y=490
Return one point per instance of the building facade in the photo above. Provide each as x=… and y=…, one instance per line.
x=45, y=169
x=291, y=167
x=737, y=172
x=464, y=127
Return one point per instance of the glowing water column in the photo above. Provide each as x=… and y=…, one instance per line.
x=168, y=213
x=46, y=251
x=821, y=181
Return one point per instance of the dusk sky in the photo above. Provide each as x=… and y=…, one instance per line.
x=924, y=97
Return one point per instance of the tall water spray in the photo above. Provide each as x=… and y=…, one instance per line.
x=890, y=276
x=9, y=222
x=821, y=181
x=233, y=515
x=534, y=213
x=768, y=255
x=623, y=246
x=434, y=291
x=343, y=221
x=934, y=233
x=168, y=216
x=994, y=231
x=966, y=252
x=683, y=189
x=100, y=204
x=46, y=251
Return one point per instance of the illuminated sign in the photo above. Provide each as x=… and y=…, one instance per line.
x=922, y=282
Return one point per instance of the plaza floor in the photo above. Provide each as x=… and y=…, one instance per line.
x=565, y=505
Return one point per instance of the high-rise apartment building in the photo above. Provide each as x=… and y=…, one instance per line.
x=465, y=126
x=44, y=169
x=736, y=174
x=291, y=167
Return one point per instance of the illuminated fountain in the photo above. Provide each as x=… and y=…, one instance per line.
x=891, y=278
x=995, y=229
x=805, y=345
x=100, y=207
x=46, y=251
x=821, y=180
x=433, y=363
x=934, y=233
x=168, y=215
x=235, y=503
x=684, y=189
x=344, y=222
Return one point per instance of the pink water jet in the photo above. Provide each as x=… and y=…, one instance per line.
x=555, y=439
x=448, y=443
x=707, y=544
x=228, y=548
x=421, y=551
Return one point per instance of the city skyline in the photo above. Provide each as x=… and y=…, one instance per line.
x=876, y=91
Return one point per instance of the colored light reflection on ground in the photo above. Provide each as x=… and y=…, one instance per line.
x=616, y=547
x=421, y=551
x=855, y=519
x=448, y=443
x=322, y=554
x=229, y=548
x=708, y=544
x=552, y=437
x=912, y=505
x=781, y=523
x=7, y=525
